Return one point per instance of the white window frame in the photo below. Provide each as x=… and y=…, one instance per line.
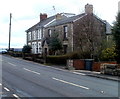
x=29, y=36
x=49, y=32
x=39, y=34
x=34, y=35
x=29, y=44
x=34, y=46
x=39, y=47
x=65, y=31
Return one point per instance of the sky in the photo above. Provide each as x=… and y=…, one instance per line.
x=25, y=13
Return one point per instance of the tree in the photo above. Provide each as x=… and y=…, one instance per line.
x=26, y=49
x=88, y=35
x=116, y=35
x=55, y=43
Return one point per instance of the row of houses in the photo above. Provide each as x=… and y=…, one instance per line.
x=84, y=31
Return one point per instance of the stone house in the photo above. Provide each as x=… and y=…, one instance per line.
x=83, y=32
x=35, y=34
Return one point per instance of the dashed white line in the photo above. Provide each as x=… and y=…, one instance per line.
x=31, y=71
x=6, y=89
x=15, y=96
x=57, y=68
x=79, y=73
x=0, y=84
x=70, y=83
x=102, y=91
x=11, y=64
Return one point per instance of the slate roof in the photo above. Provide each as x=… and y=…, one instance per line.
x=41, y=23
x=65, y=20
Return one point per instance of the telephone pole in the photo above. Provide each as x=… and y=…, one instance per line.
x=10, y=31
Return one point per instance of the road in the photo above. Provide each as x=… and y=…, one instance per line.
x=21, y=78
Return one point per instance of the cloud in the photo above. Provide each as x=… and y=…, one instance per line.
x=25, y=13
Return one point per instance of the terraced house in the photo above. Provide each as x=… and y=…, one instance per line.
x=83, y=32
x=36, y=33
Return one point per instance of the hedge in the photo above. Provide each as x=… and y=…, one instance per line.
x=61, y=59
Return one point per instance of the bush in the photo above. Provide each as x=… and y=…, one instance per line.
x=62, y=59
x=26, y=49
x=15, y=53
x=108, y=54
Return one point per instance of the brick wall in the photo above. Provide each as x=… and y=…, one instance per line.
x=96, y=65
x=79, y=64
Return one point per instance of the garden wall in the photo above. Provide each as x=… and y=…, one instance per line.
x=79, y=64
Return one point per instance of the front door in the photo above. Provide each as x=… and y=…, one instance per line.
x=45, y=51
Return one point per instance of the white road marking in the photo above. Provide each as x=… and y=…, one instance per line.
x=0, y=84
x=6, y=89
x=47, y=66
x=70, y=83
x=79, y=73
x=15, y=95
x=31, y=71
x=57, y=68
x=102, y=91
x=11, y=64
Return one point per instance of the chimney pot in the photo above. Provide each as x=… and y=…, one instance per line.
x=88, y=8
x=58, y=16
x=43, y=16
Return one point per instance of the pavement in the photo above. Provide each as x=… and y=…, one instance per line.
x=99, y=75
x=91, y=73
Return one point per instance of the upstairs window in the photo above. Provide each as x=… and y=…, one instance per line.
x=33, y=35
x=29, y=36
x=65, y=32
x=43, y=33
x=39, y=34
x=49, y=32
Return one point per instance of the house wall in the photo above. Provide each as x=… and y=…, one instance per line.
x=60, y=31
x=34, y=38
x=88, y=34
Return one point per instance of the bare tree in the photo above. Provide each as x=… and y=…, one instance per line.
x=88, y=34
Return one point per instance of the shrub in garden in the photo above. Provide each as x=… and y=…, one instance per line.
x=26, y=49
x=108, y=54
x=62, y=59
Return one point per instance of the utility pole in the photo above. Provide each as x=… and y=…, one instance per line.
x=10, y=31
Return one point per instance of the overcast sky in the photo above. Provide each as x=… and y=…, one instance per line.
x=25, y=13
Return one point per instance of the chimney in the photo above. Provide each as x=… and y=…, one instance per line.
x=88, y=8
x=58, y=16
x=43, y=16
